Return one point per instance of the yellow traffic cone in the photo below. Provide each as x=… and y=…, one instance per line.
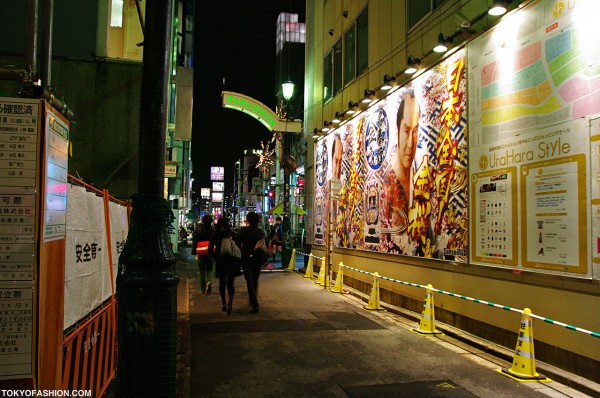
x=374, y=302
x=321, y=278
x=338, y=287
x=309, y=267
x=523, y=366
x=292, y=264
x=427, y=323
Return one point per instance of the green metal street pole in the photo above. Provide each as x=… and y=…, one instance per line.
x=287, y=88
x=147, y=281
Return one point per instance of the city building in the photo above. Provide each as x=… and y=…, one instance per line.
x=291, y=154
x=96, y=70
x=72, y=71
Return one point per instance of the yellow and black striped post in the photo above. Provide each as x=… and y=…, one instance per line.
x=309, y=267
x=523, y=366
x=292, y=264
x=321, y=278
x=374, y=301
x=338, y=287
x=427, y=323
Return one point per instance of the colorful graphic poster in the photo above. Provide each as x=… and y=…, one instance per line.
x=321, y=203
x=537, y=68
x=402, y=165
x=57, y=164
x=529, y=200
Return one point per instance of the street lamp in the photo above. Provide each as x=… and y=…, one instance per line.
x=288, y=89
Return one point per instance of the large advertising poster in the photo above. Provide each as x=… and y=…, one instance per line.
x=537, y=68
x=403, y=169
x=533, y=84
x=528, y=192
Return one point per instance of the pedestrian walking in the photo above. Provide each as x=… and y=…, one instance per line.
x=276, y=238
x=227, y=261
x=252, y=257
x=202, y=237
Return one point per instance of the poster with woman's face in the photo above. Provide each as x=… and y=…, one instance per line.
x=321, y=192
x=403, y=169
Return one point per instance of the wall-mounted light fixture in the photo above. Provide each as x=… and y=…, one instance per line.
x=498, y=7
x=330, y=32
x=345, y=13
x=316, y=133
x=387, y=82
x=326, y=126
x=441, y=46
x=352, y=108
x=338, y=118
x=369, y=96
x=412, y=65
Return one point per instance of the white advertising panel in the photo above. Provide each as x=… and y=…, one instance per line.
x=217, y=173
x=56, y=159
x=527, y=196
x=532, y=89
x=537, y=68
x=218, y=186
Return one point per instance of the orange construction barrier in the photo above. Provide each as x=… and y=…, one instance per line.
x=89, y=354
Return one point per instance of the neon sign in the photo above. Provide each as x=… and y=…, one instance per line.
x=260, y=112
x=250, y=106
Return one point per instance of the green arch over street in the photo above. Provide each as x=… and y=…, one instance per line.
x=259, y=111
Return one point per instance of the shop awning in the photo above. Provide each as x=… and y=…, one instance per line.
x=294, y=209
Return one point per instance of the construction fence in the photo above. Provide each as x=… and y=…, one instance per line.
x=96, y=230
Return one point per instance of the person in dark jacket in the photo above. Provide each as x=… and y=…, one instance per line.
x=276, y=237
x=227, y=267
x=252, y=261
x=204, y=233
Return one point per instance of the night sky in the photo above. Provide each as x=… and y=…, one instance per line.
x=234, y=40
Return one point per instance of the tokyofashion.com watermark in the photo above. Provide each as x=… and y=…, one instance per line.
x=45, y=393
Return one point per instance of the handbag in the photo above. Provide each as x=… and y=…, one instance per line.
x=261, y=250
x=229, y=247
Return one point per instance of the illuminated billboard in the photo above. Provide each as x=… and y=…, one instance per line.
x=217, y=173
x=217, y=197
x=403, y=171
x=218, y=186
x=205, y=193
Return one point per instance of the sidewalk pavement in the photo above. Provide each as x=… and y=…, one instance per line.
x=308, y=342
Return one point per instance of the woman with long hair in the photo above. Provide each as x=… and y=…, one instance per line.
x=252, y=260
x=228, y=267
